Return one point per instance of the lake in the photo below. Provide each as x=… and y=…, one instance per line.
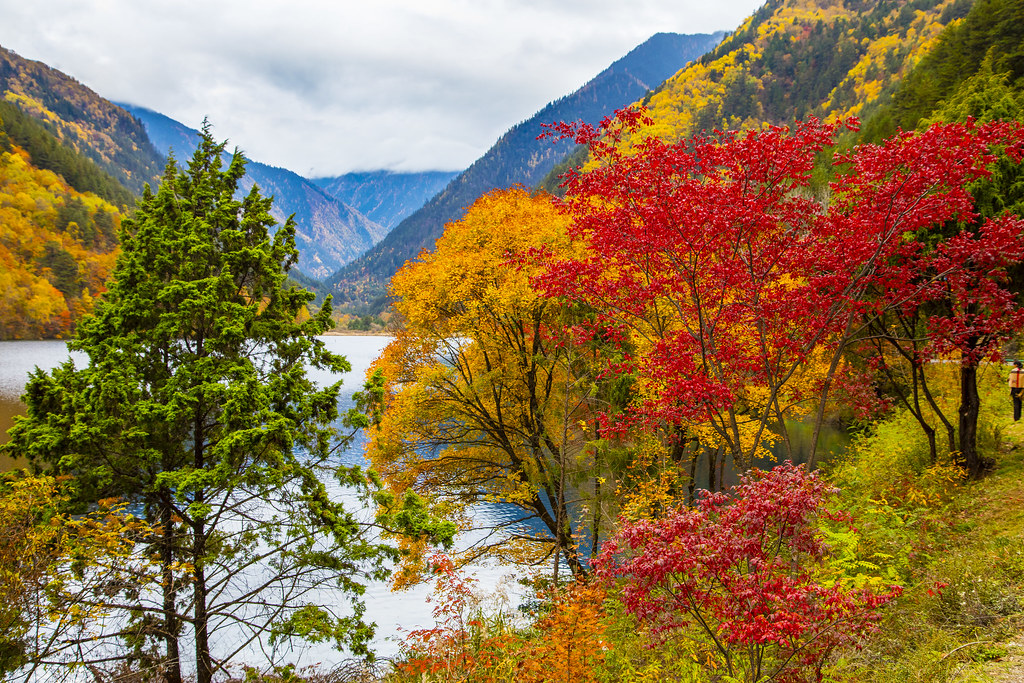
x=17, y=360
x=393, y=612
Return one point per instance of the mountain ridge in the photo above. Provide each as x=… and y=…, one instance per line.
x=385, y=197
x=81, y=119
x=793, y=59
x=329, y=233
x=517, y=157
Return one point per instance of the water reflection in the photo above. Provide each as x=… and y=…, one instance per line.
x=832, y=442
x=8, y=409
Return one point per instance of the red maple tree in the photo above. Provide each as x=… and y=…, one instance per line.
x=739, y=574
x=731, y=272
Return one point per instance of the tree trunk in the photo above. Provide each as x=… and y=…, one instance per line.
x=970, y=405
x=920, y=386
x=950, y=430
x=819, y=418
x=692, y=488
x=595, y=527
x=721, y=471
x=559, y=540
x=172, y=626
x=713, y=455
x=204, y=662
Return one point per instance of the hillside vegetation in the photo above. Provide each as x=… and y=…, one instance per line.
x=81, y=120
x=57, y=248
x=49, y=153
x=798, y=58
x=974, y=68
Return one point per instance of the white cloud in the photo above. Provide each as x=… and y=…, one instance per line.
x=326, y=87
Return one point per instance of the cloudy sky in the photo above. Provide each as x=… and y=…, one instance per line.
x=323, y=87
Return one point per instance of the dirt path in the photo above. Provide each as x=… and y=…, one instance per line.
x=1010, y=668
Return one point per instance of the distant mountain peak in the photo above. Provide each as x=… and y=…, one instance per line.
x=518, y=158
x=386, y=197
x=329, y=233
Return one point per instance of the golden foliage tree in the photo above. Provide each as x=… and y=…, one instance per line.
x=57, y=248
x=59, y=573
x=485, y=401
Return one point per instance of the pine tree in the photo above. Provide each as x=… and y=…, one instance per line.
x=195, y=403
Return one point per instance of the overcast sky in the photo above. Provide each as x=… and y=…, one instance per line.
x=324, y=87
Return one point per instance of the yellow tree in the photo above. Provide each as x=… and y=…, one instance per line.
x=484, y=400
x=60, y=573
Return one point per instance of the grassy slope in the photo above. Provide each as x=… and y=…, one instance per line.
x=998, y=511
x=961, y=618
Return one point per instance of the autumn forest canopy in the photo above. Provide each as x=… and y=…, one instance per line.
x=815, y=229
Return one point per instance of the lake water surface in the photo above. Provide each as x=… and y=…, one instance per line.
x=393, y=612
x=17, y=360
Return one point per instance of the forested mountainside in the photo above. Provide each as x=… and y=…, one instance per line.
x=81, y=120
x=385, y=197
x=57, y=247
x=975, y=68
x=49, y=153
x=892, y=63
x=329, y=234
x=516, y=158
x=798, y=58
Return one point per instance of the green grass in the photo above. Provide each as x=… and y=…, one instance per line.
x=959, y=552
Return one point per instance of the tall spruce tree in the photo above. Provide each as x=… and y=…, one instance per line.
x=195, y=403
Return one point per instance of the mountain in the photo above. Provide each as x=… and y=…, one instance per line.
x=974, y=70
x=48, y=152
x=57, y=245
x=70, y=165
x=793, y=59
x=516, y=158
x=385, y=197
x=976, y=65
x=81, y=120
x=329, y=233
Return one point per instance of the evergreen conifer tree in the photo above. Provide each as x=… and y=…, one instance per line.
x=195, y=403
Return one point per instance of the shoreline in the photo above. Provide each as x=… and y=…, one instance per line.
x=356, y=333
x=328, y=333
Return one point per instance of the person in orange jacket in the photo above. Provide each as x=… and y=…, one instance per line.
x=1017, y=388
